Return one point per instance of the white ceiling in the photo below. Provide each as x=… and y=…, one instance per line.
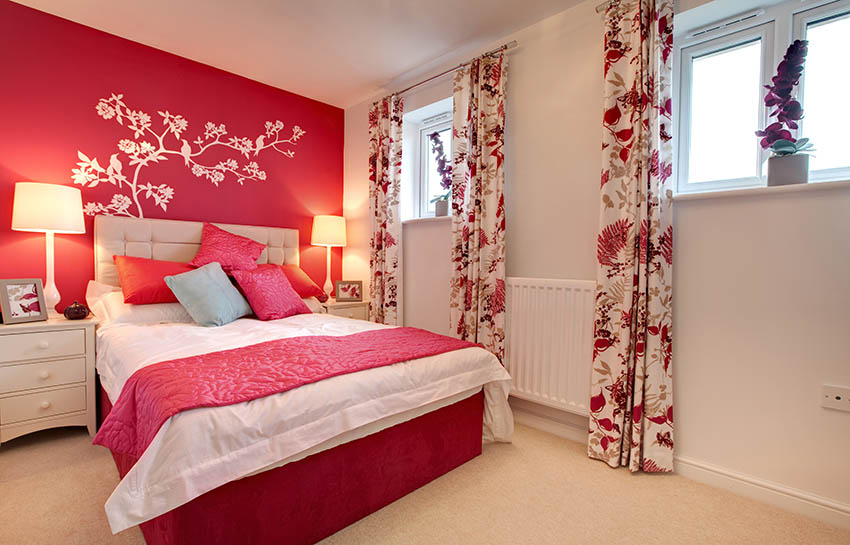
x=337, y=51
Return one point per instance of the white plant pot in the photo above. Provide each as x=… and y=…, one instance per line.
x=441, y=208
x=788, y=169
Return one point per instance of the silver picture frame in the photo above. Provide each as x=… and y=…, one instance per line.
x=22, y=300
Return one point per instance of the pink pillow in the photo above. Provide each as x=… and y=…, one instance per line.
x=233, y=252
x=142, y=279
x=270, y=293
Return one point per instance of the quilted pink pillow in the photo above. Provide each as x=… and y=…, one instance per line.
x=233, y=252
x=269, y=293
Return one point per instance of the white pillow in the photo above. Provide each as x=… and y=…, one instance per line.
x=107, y=304
x=314, y=305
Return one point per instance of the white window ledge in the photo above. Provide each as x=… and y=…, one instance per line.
x=753, y=191
x=426, y=220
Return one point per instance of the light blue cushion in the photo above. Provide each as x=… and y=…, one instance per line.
x=208, y=296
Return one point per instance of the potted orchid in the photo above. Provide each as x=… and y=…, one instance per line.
x=789, y=162
x=444, y=169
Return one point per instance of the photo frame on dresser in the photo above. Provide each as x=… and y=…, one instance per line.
x=348, y=291
x=22, y=300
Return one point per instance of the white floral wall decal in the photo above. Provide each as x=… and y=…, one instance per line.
x=149, y=147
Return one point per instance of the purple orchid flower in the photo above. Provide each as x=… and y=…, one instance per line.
x=779, y=96
x=444, y=169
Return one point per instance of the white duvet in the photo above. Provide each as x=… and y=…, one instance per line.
x=201, y=449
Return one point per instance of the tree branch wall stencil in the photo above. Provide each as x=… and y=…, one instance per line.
x=148, y=147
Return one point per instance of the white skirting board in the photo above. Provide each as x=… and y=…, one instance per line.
x=563, y=424
x=784, y=497
x=574, y=427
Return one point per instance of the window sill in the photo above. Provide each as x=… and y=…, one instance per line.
x=427, y=219
x=754, y=191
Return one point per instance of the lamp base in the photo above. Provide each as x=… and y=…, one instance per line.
x=328, y=287
x=51, y=293
x=51, y=296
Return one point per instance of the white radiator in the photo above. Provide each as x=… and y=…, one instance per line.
x=548, y=345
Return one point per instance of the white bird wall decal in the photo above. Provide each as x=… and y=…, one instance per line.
x=186, y=151
x=147, y=147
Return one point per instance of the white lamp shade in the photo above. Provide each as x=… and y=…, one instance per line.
x=328, y=231
x=48, y=207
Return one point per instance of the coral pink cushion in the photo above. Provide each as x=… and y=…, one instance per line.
x=269, y=293
x=233, y=252
x=142, y=279
x=303, y=284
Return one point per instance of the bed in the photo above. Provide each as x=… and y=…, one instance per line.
x=293, y=467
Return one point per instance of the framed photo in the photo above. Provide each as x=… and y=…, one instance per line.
x=348, y=291
x=22, y=300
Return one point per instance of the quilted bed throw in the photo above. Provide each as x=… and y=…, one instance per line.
x=631, y=404
x=155, y=393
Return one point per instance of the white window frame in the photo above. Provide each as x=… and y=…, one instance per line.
x=762, y=33
x=436, y=123
x=777, y=26
x=800, y=22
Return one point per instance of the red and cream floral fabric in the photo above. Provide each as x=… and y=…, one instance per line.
x=631, y=404
x=477, y=306
x=385, y=143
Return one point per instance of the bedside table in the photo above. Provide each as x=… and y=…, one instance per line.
x=46, y=376
x=359, y=310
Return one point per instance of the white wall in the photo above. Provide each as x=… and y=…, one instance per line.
x=552, y=138
x=554, y=86
x=355, y=264
x=355, y=197
x=762, y=282
x=761, y=320
x=427, y=271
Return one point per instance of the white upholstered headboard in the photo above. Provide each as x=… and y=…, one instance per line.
x=172, y=240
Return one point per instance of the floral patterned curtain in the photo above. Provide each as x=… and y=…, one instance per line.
x=385, y=142
x=477, y=306
x=631, y=405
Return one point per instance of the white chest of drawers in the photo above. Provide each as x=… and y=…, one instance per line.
x=358, y=310
x=46, y=376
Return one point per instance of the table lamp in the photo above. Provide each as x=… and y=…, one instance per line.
x=328, y=231
x=48, y=209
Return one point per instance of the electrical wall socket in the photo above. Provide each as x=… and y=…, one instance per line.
x=835, y=397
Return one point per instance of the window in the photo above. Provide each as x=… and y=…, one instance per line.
x=721, y=108
x=430, y=187
x=725, y=85
x=720, y=76
x=420, y=175
x=826, y=78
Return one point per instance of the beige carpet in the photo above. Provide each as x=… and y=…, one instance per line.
x=539, y=490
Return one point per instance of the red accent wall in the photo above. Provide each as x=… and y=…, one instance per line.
x=53, y=74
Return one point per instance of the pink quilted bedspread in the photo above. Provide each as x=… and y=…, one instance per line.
x=157, y=392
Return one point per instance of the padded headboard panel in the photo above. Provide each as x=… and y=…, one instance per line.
x=172, y=240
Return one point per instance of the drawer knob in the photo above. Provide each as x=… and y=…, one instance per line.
x=45, y=404
x=44, y=375
x=43, y=345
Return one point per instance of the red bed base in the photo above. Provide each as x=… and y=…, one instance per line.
x=308, y=500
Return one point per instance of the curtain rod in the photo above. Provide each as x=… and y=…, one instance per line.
x=504, y=47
